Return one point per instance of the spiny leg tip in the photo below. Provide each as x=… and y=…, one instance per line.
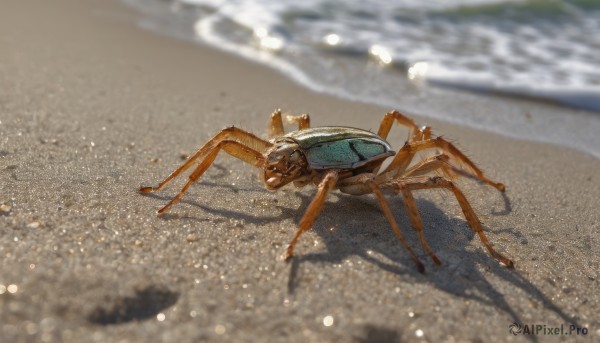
x=287, y=255
x=146, y=189
x=436, y=260
x=504, y=261
x=501, y=187
x=508, y=263
x=162, y=210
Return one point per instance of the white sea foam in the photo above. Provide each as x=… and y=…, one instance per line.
x=529, y=49
x=481, y=40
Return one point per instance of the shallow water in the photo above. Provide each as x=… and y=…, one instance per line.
x=378, y=52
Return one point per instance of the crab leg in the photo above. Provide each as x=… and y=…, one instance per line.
x=233, y=148
x=430, y=164
x=231, y=133
x=388, y=213
x=302, y=120
x=434, y=163
x=314, y=208
x=408, y=151
x=276, y=123
x=417, y=223
x=415, y=135
x=428, y=182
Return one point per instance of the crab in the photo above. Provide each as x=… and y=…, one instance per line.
x=348, y=159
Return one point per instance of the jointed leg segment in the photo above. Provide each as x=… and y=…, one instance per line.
x=388, y=213
x=420, y=139
x=303, y=121
x=417, y=223
x=313, y=210
x=428, y=182
x=232, y=147
x=276, y=123
x=388, y=121
x=404, y=157
x=231, y=133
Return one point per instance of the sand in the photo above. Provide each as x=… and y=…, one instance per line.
x=93, y=107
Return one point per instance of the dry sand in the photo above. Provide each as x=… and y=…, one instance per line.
x=92, y=107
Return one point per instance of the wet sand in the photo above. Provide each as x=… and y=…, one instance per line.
x=93, y=107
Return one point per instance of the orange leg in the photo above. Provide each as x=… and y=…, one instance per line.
x=404, y=157
x=231, y=133
x=417, y=223
x=276, y=123
x=388, y=213
x=428, y=165
x=435, y=163
x=233, y=148
x=415, y=135
x=325, y=186
x=302, y=120
x=427, y=182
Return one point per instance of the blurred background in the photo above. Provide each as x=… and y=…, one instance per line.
x=393, y=53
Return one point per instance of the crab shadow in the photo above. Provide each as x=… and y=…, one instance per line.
x=364, y=232
x=251, y=218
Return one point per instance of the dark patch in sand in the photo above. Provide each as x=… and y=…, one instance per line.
x=144, y=304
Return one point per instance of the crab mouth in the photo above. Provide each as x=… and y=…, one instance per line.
x=273, y=181
x=276, y=178
x=284, y=164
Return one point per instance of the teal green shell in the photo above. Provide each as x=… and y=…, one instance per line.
x=340, y=147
